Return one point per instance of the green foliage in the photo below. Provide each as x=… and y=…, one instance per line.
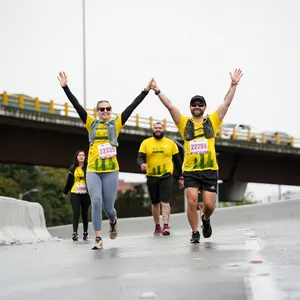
x=18, y=179
x=9, y=188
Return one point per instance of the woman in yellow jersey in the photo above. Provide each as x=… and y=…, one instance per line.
x=80, y=199
x=103, y=168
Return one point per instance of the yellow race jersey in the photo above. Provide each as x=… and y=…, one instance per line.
x=102, y=155
x=79, y=186
x=200, y=153
x=159, y=155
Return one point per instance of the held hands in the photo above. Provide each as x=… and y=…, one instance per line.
x=236, y=77
x=65, y=196
x=62, y=78
x=144, y=167
x=154, y=86
x=148, y=87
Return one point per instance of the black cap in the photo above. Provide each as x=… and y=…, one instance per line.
x=198, y=99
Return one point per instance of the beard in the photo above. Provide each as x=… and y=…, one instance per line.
x=197, y=114
x=158, y=136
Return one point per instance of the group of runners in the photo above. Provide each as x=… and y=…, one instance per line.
x=94, y=180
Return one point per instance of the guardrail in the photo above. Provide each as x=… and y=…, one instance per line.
x=34, y=104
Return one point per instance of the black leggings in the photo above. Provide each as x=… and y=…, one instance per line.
x=80, y=201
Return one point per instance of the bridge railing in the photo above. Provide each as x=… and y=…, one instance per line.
x=34, y=104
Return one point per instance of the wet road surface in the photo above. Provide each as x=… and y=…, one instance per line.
x=253, y=261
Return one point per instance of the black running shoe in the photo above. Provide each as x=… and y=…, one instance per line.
x=75, y=236
x=85, y=236
x=206, y=229
x=195, y=237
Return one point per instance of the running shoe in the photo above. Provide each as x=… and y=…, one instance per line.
x=113, y=231
x=166, y=230
x=206, y=229
x=157, y=230
x=98, y=243
x=75, y=236
x=85, y=236
x=195, y=239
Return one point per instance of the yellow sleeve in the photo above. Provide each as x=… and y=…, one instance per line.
x=118, y=122
x=143, y=147
x=182, y=124
x=174, y=149
x=89, y=121
x=215, y=121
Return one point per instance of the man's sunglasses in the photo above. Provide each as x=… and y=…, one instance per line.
x=102, y=109
x=197, y=104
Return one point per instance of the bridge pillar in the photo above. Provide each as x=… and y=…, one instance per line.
x=232, y=190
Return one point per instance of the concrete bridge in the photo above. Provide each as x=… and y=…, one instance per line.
x=50, y=139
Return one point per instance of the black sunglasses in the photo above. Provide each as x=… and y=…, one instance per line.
x=197, y=104
x=102, y=109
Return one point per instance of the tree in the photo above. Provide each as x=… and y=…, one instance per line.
x=9, y=188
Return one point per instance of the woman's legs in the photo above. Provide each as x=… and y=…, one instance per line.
x=110, y=188
x=85, y=201
x=94, y=184
x=75, y=202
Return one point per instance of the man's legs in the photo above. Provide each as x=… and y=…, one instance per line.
x=165, y=194
x=152, y=184
x=209, y=199
x=192, y=197
x=156, y=213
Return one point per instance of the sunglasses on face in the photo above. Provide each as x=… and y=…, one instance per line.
x=102, y=109
x=197, y=104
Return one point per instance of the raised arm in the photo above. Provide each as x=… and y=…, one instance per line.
x=174, y=111
x=129, y=109
x=235, y=78
x=63, y=80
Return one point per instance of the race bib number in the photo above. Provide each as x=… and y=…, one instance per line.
x=199, y=146
x=81, y=189
x=106, y=150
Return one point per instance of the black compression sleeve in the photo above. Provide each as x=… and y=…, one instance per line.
x=177, y=163
x=128, y=111
x=69, y=184
x=80, y=110
x=141, y=158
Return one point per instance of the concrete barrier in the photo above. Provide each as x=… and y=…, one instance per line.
x=238, y=216
x=21, y=221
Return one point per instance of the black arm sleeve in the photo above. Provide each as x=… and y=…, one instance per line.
x=80, y=110
x=141, y=158
x=69, y=183
x=128, y=111
x=177, y=163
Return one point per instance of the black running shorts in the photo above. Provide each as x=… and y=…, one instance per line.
x=160, y=188
x=206, y=180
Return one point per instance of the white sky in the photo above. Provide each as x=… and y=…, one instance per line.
x=188, y=46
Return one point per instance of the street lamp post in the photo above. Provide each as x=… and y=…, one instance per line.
x=83, y=41
x=27, y=192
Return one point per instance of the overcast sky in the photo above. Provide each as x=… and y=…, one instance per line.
x=188, y=46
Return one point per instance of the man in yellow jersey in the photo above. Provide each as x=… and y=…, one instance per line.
x=200, y=167
x=156, y=157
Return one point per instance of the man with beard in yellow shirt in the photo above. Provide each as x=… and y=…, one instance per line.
x=156, y=157
x=200, y=167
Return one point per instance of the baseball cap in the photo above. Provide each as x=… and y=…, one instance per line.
x=198, y=99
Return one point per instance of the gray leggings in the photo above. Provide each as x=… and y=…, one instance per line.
x=103, y=189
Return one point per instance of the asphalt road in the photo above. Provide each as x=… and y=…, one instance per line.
x=254, y=260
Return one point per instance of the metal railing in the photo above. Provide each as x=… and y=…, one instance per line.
x=67, y=110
